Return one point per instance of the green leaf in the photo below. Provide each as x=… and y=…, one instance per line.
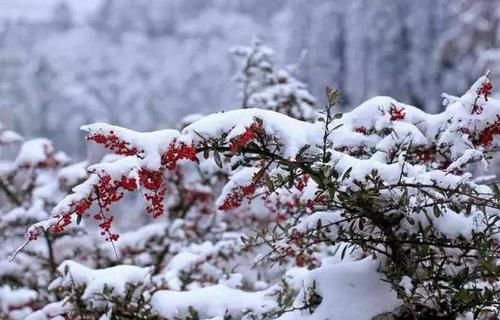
x=217, y=159
x=336, y=127
x=269, y=183
x=332, y=95
x=496, y=190
x=342, y=255
x=338, y=115
x=346, y=174
x=411, y=221
x=361, y=224
x=437, y=212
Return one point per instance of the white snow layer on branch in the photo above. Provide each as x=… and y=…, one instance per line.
x=211, y=302
x=116, y=279
x=350, y=290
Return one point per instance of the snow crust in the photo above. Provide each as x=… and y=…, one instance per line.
x=211, y=302
x=350, y=290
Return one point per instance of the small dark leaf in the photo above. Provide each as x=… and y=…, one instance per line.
x=496, y=190
x=336, y=127
x=256, y=178
x=346, y=174
x=217, y=159
x=411, y=221
x=269, y=183
x=342, y=254
x=437, y=211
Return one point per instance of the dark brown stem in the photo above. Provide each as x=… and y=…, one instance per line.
x=9, y=193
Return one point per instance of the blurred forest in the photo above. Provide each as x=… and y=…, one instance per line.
x=144, y=64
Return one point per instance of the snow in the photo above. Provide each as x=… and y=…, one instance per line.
x=137, y=238
x=469, y=156
x=34, y=151
x=453, y=224
x=35, y=212
x=360, y=168
x=114, y=278
x=350, y=290
x=406, y=284
x=151, y=144
x=72, y=174
x=234, y=123
x=197, y=256
x=194, y=259
x=241, y=178
x=51, y=311
x=11, y=297
x=9, y=136
x=211, y=302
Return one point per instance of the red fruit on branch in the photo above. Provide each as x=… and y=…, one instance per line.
x=397, y=114
x=251, y=133
x=178, y=152
x=235, y=198
x=112, y=142
x=486, y=89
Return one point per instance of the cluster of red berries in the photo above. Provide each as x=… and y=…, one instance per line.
x=235, y=198
x=112, y=142
x=486, y=89
x=309, y=261
x=297, y=237
x=177, y=152
x=301, y=182
x=64, y=221
x=32, y=234
x=152, y=181
x=486, y=136
x=155, y=198
x=107, y=192
x=397, y=114
x=301, y=259
x=320, y=199
x=362, y=130
x=105, y=226
x=251, y=133
x=82, y=206
x=129, y=184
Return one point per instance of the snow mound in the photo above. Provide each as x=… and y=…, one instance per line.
x=211, y=302
x=349, y=290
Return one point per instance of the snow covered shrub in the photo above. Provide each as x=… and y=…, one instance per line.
x=263, y=85
x=30, y=186
x=378, y=212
